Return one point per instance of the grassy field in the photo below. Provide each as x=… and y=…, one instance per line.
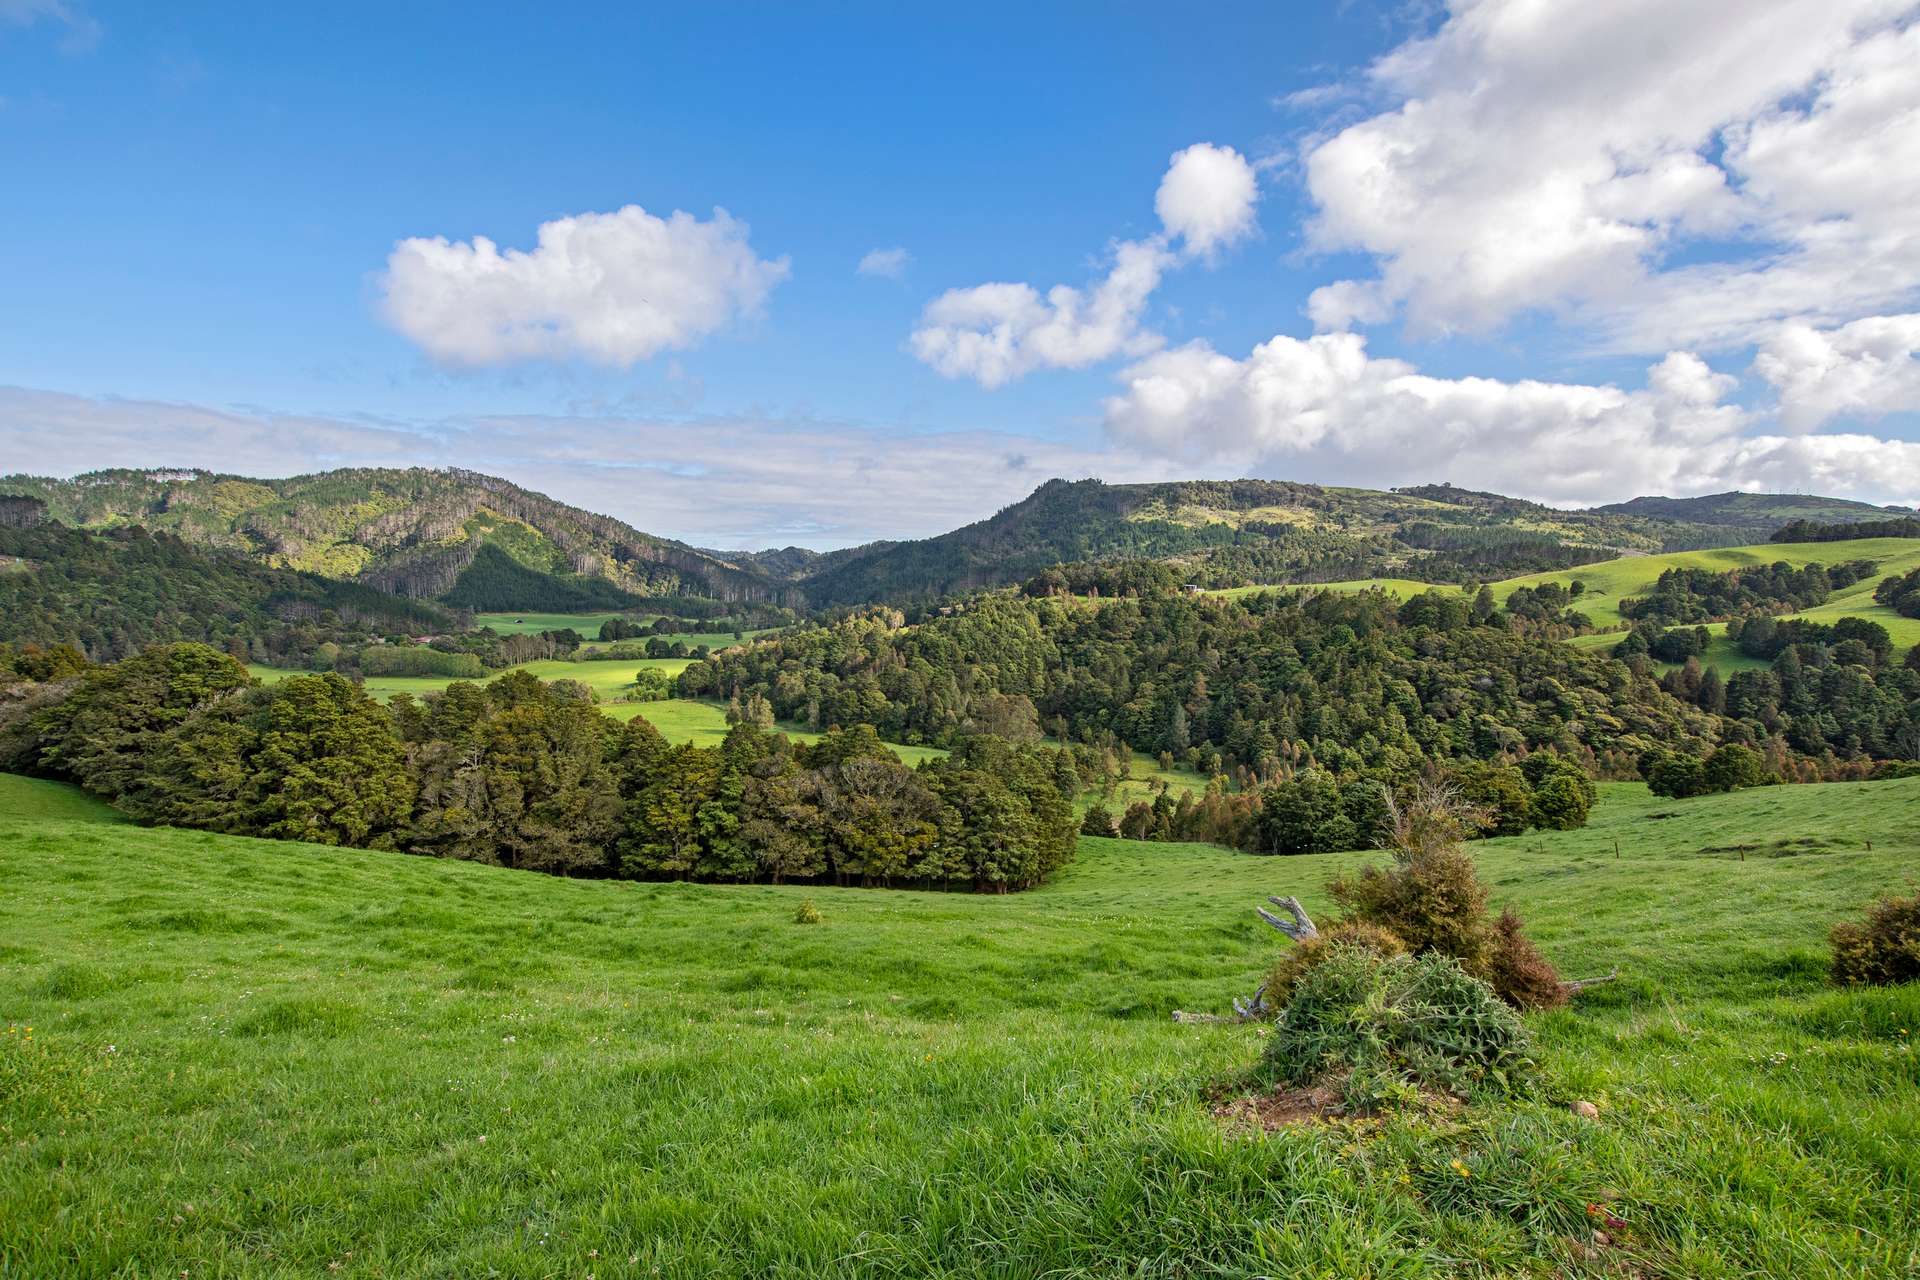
x=587, y=625
x=680, y=719
x=260, y=1059
x=608, y=678
x=1611, y=580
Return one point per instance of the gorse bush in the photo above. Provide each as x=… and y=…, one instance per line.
x=1431, y=898
x=1304, y=955
x=1388, y=1029
x=1882, y=949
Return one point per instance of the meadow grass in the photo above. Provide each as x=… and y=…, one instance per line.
x=1610, y=581
x=252, y=1058
x=587, y=625
x=609, y=678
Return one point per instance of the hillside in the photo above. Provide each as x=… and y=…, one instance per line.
x=112, y=591
x=1753, y=514
x=530, y=1076
x=1229, y=533
x=484, y=543
x=414, y=532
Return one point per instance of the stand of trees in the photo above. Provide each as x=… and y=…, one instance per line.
x=523, y=773
x=1701, y=595
x=1259, y=687
x=1901, y=594
x=1846, y=531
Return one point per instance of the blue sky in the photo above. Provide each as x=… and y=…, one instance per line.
x=200, y=231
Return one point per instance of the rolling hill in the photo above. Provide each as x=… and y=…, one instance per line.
x=481, y=541
x=1250, y=531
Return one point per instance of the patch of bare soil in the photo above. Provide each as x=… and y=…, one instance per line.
x=1275, y=1109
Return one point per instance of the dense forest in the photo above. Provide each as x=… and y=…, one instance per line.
x=113, y=592
x=523, y=773
x=1276, y=682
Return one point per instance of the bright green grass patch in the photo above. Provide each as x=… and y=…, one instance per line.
x=37, y=800
x=521, y=624
x=588, y=626
x=1609, y=581
x=608, y=678
x=263, y=1059
x=705, y=724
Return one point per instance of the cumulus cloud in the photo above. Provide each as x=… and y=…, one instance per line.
x=1324, y=408
x=996, y=333
x=611, y=288
x=888, y=263
x=1868, y=368
x=1568, y=158
x=1207, y=196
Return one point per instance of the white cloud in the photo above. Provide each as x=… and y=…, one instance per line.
x=996, y=333
x=888, y=263
x=611, y=288
x=1565, y=158
x=1323, y=408
x=1207, y=197
x=1868, y=368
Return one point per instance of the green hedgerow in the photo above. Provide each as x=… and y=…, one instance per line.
x=1388, y=1028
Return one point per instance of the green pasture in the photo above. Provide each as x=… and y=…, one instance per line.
x=258, y=1059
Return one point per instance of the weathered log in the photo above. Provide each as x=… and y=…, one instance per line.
x=1300, y=928
x=1575, y=988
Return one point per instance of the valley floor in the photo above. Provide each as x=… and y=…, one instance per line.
x=250, y=1058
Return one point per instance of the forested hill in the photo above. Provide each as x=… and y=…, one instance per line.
x=1229, y=533
x=111, y=592
x=483, y=543
x=415, y=532
x=1754, y=516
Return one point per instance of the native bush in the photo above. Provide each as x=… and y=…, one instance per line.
x=1390, y=1028
x=1882, y=949
x=1309, y=952
x=1432, y=899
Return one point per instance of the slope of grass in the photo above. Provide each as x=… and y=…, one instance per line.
x=37, y=800
x=1609, y=581
x=262, y=1059
x=608, y=678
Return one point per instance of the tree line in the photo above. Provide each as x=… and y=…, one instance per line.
x=524, y=773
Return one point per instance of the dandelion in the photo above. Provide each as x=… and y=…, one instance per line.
x=1462, y=1170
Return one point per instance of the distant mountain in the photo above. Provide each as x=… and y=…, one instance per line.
x=1222, y=533
x=1757, y=513
x=478, y=542
x=414, y=532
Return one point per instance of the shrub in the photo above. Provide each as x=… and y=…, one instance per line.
x=807, y=913
x=1882, y=949
x=1431, y=898
x=1099, y=822
x=1303, y=956
x=1388, y=1028
x=1434, y=902
x=1560, y=805
x=1733, y=766
x=1523, y=977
